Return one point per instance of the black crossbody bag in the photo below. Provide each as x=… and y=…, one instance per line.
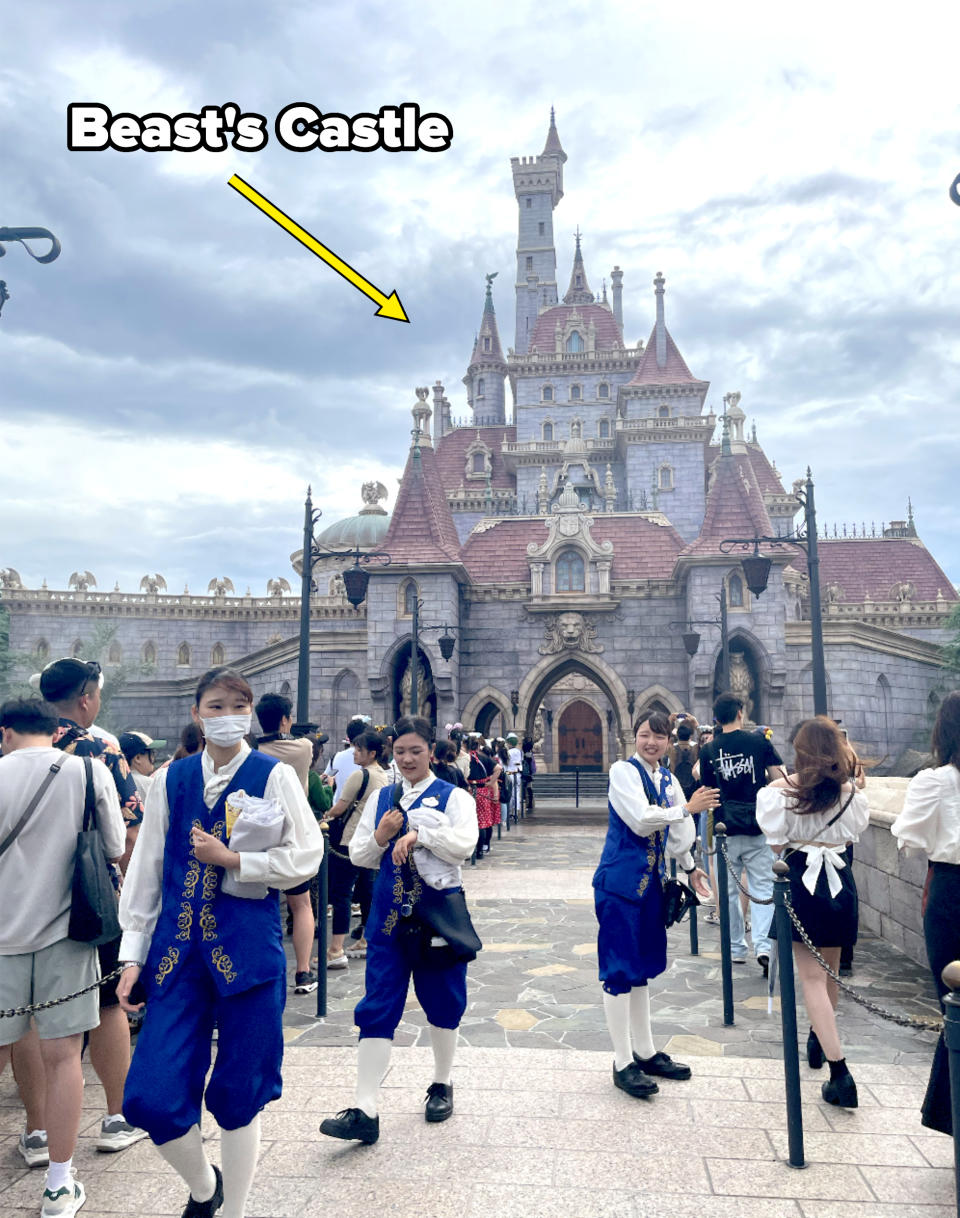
x=431, y=914
x=94, y=917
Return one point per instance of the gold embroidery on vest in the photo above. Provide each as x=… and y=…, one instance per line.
x=652, y=851
x=166, y=964
x=191, y=880
x=390, y=922
x=208, y=923
x=185, y=920
x=223, y=964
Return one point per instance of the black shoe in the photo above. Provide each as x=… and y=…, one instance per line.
x=841, y=1091
x=352, y=1125
x=206, y=1209
x=662, y=1066
x=764, y=961
x=815, y=1057
x=439, y=1102
x=633, y=1080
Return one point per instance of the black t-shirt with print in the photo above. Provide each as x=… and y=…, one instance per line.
x=736, y=763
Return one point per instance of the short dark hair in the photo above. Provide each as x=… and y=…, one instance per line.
x=229, y=678
x=946, y=731
x=684, y=731
x=370, y=741
x=726, y=708
x=29, y=716
x=191, y=741
x=355, y=728
x=659, y=721
x=445, y=751
x=414, y=725
x=64, y=680
x=271, y=709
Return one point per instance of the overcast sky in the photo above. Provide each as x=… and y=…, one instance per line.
x=170, y=385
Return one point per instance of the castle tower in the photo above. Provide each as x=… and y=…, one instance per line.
x=538, y=186
x=579, y=290
x=486, y=374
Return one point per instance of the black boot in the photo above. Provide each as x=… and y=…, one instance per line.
x=815, y=1058
x=840, y=1089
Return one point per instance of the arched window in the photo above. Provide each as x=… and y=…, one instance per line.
x=183, y=655
x=115, y=654
x=603, y=429
x=664, y=412
x=486, y=343
x=218, y=655
x=408, y=596
x=571, y=574
x=575, y=341
x=576, y=430
x=480, y=386
x=735, y=592
x=285, y=689
x=547, y=393
x=478, y=463
x=576, y=393
x=77, y=649
x=149, y=653
x=603, y=390
x=548, y=431
x=665, y=478
x=42, y=651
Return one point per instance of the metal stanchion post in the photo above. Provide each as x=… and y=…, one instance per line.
x=576, y=799
x=788, y=1014
x=323, y=893
x=951, y=1036
x=723, y=909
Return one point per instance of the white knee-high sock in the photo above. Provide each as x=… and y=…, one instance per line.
x=189, y=1160
x=640, y=1030
x=373, y=1061
x=444, y=1044
x=239, y=1151
x=616, y=1008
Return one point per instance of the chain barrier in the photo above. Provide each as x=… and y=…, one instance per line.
x=926, y=1022
x=13, y=1012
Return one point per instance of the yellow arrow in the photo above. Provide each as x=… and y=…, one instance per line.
x=390, y=306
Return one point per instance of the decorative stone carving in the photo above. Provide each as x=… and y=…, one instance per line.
x=372, y=493
x=10, y=578
x=569, y=632
x=424, y=689
x=903, y=592
x=337, y=586
x=834, y=593
x=153, y=584
x=570, y=522
x=741, y=682
x=220, y=587
x=81, y=581
x=278, y=586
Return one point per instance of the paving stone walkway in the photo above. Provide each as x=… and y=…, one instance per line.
x=538, y=1128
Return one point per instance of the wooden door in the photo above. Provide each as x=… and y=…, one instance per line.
x=581, y=738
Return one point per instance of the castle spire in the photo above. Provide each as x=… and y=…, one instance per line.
x=661, y=325
x=553, y=147
x=579, y=290
x=486, y=373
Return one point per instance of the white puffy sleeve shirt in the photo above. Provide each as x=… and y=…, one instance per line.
x=295, y=860
x=781, y=825
x=629, y=800
x=930, y=820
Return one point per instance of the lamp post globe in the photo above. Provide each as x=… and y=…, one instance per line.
x=355, y=581
x=756, y=570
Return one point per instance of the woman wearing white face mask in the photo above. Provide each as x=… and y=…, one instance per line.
x=207, y=955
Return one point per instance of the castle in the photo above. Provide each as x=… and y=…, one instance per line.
x=562, y=537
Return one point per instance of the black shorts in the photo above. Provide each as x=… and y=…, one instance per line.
x=295, y=892
x=109, y=954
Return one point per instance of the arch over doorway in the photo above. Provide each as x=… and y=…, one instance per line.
x=543, y=676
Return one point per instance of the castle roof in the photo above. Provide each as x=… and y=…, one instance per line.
x=734, y=507
x=673, y=371
x=421, y=527
x=579, y=290
x=871, y=567
x=768, y=478
x=451, y=455
x=553, y=145
x=642, y=549
x=544, y=337
x=488, y=329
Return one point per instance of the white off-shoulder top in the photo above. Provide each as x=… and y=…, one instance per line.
x=930, y=820
x=782, y=826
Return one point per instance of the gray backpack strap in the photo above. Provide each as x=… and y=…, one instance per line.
x=30, y=808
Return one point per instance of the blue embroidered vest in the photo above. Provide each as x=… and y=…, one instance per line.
x=238, y=939
x=388, y=887
x=629, y=862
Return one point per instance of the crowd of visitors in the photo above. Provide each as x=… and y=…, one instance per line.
x=201, y=845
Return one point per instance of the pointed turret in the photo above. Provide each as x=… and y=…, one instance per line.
x=487, y=371
x=662, y=363
x=421, y=527
x=579, y=290
x=553, y=147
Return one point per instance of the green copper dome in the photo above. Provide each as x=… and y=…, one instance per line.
x=367, y=530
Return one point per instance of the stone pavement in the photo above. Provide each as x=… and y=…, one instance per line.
x=538, y=1129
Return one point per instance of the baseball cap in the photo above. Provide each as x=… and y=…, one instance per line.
x=132, y=744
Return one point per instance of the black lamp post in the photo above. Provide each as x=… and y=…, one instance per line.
x=446, y=642
x=355, y=581
x=691, y=638
x=756, y=570
x=23, y=235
